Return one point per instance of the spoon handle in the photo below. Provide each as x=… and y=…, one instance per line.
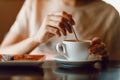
x=75, y=34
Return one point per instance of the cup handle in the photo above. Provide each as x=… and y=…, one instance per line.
x=61, y=49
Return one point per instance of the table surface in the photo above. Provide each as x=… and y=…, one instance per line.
x=52, y=70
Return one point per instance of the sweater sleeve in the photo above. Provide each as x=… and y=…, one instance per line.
x=112, y=38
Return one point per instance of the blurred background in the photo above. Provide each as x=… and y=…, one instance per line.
x=10, y=8
x=8, y=13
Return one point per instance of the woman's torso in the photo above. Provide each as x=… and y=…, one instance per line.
x=91, y=20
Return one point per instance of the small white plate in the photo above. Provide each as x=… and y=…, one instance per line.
x=64, y=62
x=21, y=63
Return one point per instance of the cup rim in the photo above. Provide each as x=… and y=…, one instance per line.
x=75, y=41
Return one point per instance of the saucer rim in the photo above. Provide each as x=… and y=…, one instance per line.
x=57, y=58
x=73, y=64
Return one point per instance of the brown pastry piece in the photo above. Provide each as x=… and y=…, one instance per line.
x=28, y=57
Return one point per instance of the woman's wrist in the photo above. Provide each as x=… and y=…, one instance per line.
x=32, y=44
x=36, y=40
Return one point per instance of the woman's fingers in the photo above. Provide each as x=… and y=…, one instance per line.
x=96, y=40
x=68, y=27
x=65, y=15
x=55, y=24
x=59, y=26
x=53, y=30
x=97, y=47
x=62, y=23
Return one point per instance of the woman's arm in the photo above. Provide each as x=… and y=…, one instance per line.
x=16, y=40
x=22, y=47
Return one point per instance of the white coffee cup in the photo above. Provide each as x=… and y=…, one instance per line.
x=73, y=50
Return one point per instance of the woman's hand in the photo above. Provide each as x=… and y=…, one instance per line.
x=97, y=48
x=58, y=24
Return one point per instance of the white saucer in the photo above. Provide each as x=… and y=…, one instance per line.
x=64, y=62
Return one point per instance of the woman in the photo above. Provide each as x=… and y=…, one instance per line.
x=40, y=20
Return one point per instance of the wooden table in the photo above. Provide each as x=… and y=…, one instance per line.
x=51, y=70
